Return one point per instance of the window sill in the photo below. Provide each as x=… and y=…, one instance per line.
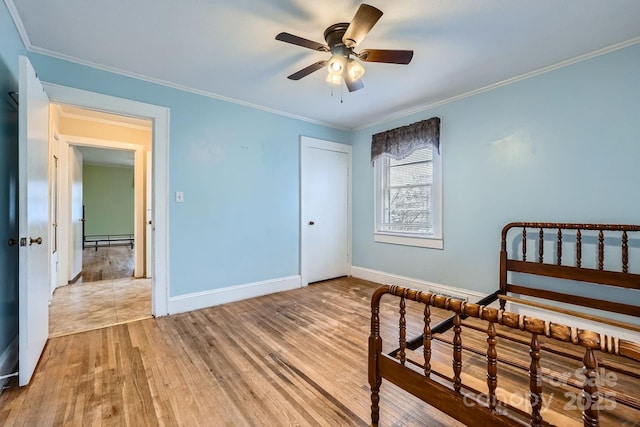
x=423, y=242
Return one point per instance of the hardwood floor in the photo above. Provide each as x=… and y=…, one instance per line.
x=105, y=295
x=296, y=358
x=86, y=306
x=107, y=263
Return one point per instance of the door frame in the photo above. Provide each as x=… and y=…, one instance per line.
x=68, y=141
x=309, y=142
x=160, y=186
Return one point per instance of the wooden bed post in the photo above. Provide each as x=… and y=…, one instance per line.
x=503, y=264
x=375, y=348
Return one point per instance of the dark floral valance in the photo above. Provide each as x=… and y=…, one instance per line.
x=400, y=142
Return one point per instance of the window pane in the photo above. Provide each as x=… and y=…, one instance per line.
x=408, y=210
x=406, y=194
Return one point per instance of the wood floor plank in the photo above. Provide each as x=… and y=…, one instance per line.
x=296, y=358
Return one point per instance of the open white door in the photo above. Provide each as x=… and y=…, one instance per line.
x=325, y=195
x=33, y=188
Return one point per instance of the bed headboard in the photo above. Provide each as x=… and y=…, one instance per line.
x=578, y=254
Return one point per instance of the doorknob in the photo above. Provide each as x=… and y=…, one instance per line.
x=37, y=241
x=311, y=222
x=13, y=242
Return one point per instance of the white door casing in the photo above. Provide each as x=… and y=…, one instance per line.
x=148, y=216
x=54, y=211
x=325, y=212
x=76, y=217
x=33, y=219
x=71, y=143
x=160, y=184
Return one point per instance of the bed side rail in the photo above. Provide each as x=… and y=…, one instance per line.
x=449, y=394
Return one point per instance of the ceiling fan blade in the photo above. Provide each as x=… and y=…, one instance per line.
x=364, y=19
x=387, y=56
x=307, y=70
x=299, y=41
x=352, y=85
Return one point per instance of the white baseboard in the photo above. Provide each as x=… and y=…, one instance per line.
x=420, y=285
x=8, y=361
x=198, y=300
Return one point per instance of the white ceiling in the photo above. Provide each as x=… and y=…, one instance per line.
x=227, y=49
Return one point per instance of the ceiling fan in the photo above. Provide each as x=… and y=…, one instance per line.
x=341, y=39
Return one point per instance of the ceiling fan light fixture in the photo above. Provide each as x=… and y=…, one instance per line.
x=355, y=69
x=341, y=40
x=334, y=79
x=336, y=64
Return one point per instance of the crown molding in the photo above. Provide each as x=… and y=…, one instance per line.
x=13, y=11
x=562, y=64
x=180, y=87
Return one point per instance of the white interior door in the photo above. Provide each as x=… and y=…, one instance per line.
x=33, y=218
x=325, y=210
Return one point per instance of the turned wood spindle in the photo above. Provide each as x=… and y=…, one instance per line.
x=559, y=258
x=524, y=244
x=590, y=390
x=426, y=340
x=375, y=380
x=403, y=331
x=535, y=381
x=601, y=250
x=492, y=365
x=541, y=246
x=625, y=252
x=578, y=248
x=457, y=353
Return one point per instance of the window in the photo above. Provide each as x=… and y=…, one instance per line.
x=408, y=196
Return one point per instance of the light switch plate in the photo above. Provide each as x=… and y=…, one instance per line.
x=179, y=197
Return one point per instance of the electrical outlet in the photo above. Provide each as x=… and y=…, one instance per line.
x=179, y=197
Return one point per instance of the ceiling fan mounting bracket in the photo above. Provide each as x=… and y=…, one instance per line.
x=333, y=34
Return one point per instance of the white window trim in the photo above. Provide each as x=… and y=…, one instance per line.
x=435, y=241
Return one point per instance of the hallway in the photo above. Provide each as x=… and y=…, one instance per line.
x=113, y=297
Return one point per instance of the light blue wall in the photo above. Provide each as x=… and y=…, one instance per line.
x=10, y=48
x=239, y=170
x=562, y=146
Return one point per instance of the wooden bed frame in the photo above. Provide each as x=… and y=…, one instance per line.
x=539, y=360
x=96, y=240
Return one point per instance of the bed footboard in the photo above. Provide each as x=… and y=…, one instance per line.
x=461, y=379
